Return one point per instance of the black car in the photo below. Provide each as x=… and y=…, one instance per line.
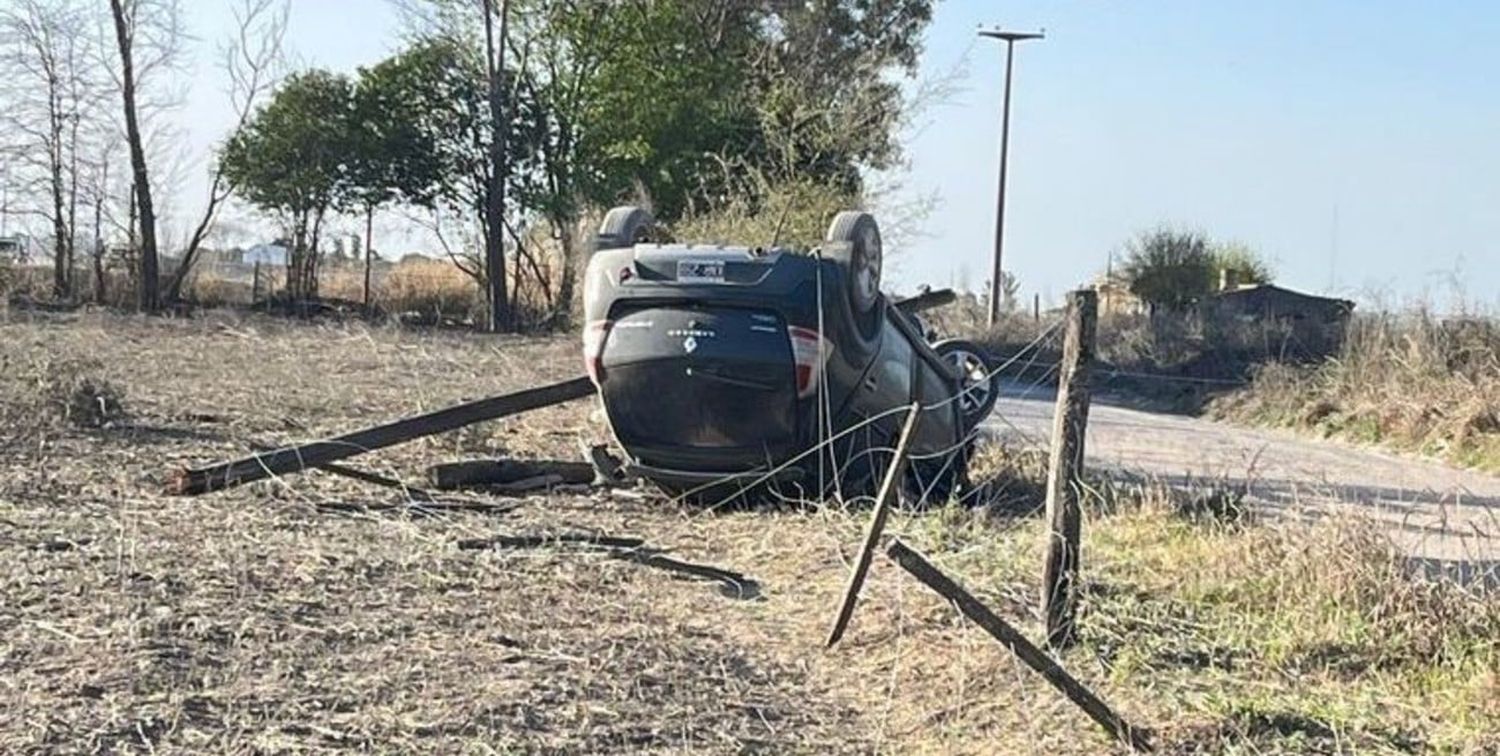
x=724, y=369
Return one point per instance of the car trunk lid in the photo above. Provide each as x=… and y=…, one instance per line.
x=694, y=385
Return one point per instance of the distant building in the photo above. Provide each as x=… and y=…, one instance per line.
x=265, y=254
x=1267, y=302
x=1298, y=325
x=1116, y=298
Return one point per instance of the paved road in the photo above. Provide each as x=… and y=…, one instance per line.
x=1445, y=518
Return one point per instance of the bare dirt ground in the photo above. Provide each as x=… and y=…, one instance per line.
x=1447, y=518
x=295, y=615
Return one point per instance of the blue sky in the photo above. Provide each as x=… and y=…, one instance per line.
x=1356, y=144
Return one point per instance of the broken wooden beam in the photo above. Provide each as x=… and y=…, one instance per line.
x=294, y=459
x=1012, y=638
x=499, y=472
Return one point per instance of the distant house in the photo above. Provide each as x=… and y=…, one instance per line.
x=1268, y=302
x=265, y=254
x=1299, y=325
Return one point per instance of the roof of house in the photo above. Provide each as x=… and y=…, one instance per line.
x=1271, y=295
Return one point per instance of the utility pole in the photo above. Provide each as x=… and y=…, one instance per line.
x=997, y=281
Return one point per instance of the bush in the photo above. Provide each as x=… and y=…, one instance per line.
x=1168, y=268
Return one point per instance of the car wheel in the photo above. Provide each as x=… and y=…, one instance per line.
x=625, y=226
x=979, y=387
x=861, y=258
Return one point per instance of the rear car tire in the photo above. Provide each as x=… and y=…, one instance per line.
x=625, y=226
x=860, y=259
x=979, y=387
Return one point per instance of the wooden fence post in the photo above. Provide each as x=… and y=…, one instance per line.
x=1065, y=470
x=255, y=284
x=888, y=491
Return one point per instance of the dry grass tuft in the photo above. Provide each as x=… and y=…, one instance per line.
x=48, y=390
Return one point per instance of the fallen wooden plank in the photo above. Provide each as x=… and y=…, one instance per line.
x=1012, y=638
x=294, y=459
x=493, y=472
x=888, y=490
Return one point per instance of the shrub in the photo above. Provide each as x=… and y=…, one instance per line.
x=1169, y=268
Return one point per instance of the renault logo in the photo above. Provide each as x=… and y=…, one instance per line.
x=689, y=344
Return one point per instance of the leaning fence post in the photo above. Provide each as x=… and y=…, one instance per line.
x=1065, y=470
x=888, y=491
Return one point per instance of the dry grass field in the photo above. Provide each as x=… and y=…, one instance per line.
x=303, y=615
x=1411, y=381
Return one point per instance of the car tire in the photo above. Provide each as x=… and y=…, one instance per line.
x=625, y=226
x=860, y=255
x=978, y=385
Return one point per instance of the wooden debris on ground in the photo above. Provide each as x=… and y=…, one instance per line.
x=295, y=459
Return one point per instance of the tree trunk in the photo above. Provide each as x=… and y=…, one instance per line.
x=59, y=220
x=59, y=237
x=295, y=255
x=150, y=291
x=563, y=307
x=369, y=226
x=70, y=268
x=99, y=285
x=310, y=280
x=494, y=208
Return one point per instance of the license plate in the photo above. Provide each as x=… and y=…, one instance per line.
x=700, y=271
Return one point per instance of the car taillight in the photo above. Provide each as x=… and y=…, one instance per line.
x=810, y=351
x=593, y=347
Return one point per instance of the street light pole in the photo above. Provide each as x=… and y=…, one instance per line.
x=997, y=281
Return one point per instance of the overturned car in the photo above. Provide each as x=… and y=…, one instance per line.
x=739, y=370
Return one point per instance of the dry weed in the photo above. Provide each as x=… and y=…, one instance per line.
x=1414, y=381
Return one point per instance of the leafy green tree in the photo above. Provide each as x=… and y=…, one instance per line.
x=292, y=159
x=1169, y=268
x=687, y=105
x=393, y=153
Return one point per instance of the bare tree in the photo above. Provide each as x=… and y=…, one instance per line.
x=252, y=59
x=148, y=34
x=48, y=85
